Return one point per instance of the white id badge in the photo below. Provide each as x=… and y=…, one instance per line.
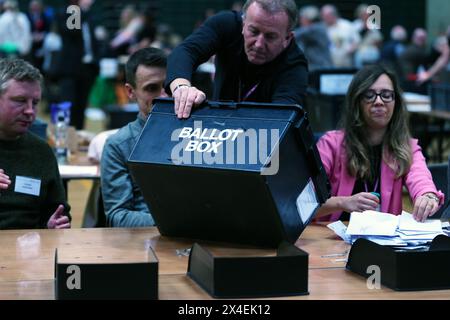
x=27, y=186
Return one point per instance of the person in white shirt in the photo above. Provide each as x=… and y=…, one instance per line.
x=344, y=37
x=15, y=30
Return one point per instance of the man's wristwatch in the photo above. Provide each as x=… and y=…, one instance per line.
x=180, y=85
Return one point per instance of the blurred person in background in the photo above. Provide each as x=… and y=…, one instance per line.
x=441, y=60
x=313, y=39
x=344, y=37
x=15, y=31
x=414, y=60
x=146, y=35
x=40, y=26
x=393, y=49
x=130, y=24
x=368, y=51
x=78, y=64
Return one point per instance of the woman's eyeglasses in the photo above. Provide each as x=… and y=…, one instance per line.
x=385, y=95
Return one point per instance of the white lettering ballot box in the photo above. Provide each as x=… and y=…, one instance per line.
x=244, y=173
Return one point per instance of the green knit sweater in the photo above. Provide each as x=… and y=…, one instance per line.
x=30, y=157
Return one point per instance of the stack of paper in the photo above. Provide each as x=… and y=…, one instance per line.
x=388, y=229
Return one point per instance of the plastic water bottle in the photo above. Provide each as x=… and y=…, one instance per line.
x=379, y=198
x=61, y=138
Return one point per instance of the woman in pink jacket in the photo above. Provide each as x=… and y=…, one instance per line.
x=373, y=156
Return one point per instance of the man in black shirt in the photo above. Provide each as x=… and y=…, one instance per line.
x=255, y=55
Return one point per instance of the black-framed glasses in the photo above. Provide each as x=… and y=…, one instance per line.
x=385, y=95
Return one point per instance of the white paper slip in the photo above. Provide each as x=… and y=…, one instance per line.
x=425, y=236
x=27, y=185
x=407, y=222
x=339, y=228
x=372, y=223
x=307, y=202
x=414, y=232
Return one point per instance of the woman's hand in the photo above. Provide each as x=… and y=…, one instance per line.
x=425, y=206
x=360, y=202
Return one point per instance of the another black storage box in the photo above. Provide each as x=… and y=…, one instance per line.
x=243, y=173
x=404, y=270
x=285, y=274
x=88, y=274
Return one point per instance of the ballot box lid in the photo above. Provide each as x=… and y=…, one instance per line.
x=232, y=172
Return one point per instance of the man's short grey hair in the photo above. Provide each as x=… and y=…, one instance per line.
x=310, y=13
x=331, y=9
x=274, y=6
x=19, y=70
x=399, y=33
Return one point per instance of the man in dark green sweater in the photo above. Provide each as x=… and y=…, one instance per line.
x=31, y=191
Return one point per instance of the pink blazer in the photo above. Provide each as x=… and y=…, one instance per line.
x=418, y=180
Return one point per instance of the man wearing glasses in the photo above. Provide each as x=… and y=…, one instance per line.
x=373, y=156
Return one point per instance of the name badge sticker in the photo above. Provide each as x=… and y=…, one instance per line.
x=28, y=186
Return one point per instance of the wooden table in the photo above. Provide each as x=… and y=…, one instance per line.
x=27, y=261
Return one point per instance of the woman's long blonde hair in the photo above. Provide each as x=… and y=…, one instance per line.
x=396, y=141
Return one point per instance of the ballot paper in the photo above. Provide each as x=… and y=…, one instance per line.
x=388, y=229
x=339, y=228
x=407, y=222
x=372, y=223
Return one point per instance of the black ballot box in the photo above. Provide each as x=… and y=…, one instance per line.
x=246, y=173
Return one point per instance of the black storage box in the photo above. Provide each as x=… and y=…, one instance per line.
x=285, y=274
x=254, y=175
x=99, y=275
x=404, y=270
